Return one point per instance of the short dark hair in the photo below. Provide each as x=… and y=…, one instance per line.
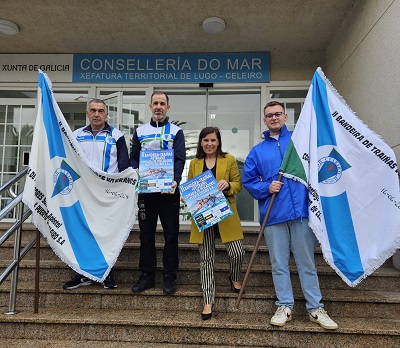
x=158, y=93
x=203, y=133
x=96, y=100
x=274, y=103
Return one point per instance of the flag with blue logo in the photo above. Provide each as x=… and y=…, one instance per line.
x=353, y=183
x=85, y=214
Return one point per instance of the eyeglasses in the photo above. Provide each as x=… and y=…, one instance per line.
x=276, y=114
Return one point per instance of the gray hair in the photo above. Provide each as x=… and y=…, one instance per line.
x=96, y=100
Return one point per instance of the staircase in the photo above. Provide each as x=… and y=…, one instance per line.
x=91, y=316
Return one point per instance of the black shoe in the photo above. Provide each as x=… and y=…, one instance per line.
x=206, y=316
x=146, y=281
x=76, y=282
x=109, y=282
x=169, y=287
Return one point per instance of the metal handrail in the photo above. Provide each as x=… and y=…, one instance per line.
x=14, y=179
x=16, y=229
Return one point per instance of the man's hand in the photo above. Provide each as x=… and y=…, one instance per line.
x=275, y=187
x=172, y=190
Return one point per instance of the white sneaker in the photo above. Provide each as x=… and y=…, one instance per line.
x=281, y=316
x=322, y=318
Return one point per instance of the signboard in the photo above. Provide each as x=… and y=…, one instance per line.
x=24, y=67
x=138, y=68
x=162, y=68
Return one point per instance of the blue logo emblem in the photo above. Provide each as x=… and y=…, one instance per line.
x=63, y=179
x=331, y=167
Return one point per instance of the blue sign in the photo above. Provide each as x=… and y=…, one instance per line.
x=172, y=68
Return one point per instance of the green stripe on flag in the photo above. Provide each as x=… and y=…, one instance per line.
x=292, y=165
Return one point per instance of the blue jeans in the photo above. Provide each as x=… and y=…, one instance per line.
x=297, y=236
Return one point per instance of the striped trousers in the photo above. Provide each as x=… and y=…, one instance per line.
x=207, y=257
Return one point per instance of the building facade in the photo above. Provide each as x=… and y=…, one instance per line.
x=360, y=60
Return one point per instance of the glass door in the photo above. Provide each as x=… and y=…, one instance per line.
x=113, y=102
x=17, y=121
x=235, y=113
x=188, y=111
x=126, y=111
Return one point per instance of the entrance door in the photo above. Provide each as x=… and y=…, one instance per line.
x=235, y=113
x=126, y=110
x=114, y=103
x=17, y=118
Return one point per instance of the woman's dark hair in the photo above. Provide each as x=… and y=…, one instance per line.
x=203, y=133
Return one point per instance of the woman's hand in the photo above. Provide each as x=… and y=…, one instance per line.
x=223, y=185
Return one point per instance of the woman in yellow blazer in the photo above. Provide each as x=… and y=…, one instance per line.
x=209, y=155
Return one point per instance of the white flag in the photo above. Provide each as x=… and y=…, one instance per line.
x=353, y=183
x=85, y=214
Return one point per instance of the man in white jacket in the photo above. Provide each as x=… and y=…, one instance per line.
x=105, y=148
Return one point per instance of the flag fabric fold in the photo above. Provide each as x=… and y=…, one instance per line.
x=85, y=214
x=353, y=183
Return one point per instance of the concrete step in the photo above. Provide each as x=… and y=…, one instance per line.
x=131, y=251
x=95, y=317
x=24, y=343
x=187, y=253
x=250, y=233
x=344, y=303
x=186, y=327
x=383, y=279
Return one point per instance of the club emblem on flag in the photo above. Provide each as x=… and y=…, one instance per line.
x=330, y=168
x=63, y=179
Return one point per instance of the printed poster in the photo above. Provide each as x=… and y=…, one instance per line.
x=156, y=171
x=205, y=202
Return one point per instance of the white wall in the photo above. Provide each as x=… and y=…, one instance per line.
x=363, y=63
x=289, y=65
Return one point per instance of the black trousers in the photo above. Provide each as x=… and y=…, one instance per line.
x=166, y=207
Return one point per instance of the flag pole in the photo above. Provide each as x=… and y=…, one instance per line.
x=271, y=202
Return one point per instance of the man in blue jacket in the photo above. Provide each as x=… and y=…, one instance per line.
x=287, y=227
